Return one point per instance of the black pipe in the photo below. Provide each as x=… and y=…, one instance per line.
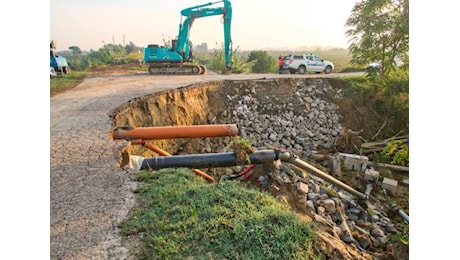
x=230, y=159
x=205, y=160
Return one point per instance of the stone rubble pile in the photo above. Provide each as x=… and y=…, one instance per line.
x=356, y=222
x=301, y=122
x=298, y=118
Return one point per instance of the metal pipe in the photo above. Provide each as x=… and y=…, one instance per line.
x=400, y=212
x=290, y=158
x=403, y=215
x=171, y=132
x=162, y=152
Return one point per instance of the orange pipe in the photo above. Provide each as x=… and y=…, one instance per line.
x=152, y=147
x=162, y=152
x=170, y=132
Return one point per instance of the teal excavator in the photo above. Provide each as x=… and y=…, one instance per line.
x=178, y=59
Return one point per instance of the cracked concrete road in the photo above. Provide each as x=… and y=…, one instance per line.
x=89, y=194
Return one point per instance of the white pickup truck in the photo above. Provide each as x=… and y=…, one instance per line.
x=303, y=63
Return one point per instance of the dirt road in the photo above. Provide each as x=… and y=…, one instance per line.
x=89, y=195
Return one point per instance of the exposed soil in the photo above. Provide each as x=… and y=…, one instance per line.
x=73, y=200
x=197, y=105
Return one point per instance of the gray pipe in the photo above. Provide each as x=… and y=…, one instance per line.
x=403, y=215
x=230, y=159
x=204, y=160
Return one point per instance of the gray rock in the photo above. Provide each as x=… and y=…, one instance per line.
x=391, y=229
x=364, y=216
x=208, y=148
x=322, y=190
x=375, y=217
x=286, y=142
x=377, y=232
x=323, y=196
x=354, y=211
x=314, y=186
x=313, y=196
x=382, y=240
x=352, y=217
x=347, y=237
x=364, y=242
x=375, y=242
x=361, y=230
x=311, y=205
x=272, y=137
x=329, y=205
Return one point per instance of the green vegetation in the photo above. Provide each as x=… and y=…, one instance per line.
x=259, y=61
x=107, y=55
x=244, y=61
x=402, y=237
x=181, y=216
x=389, y=98
x=243, y=143
x=61, y=83
x=396, y=153
x=262, y=62
x=379, y=31
x=242, y=148
x=80, y=63
x=217, y=62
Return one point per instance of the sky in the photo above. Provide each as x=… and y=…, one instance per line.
x=256, y=24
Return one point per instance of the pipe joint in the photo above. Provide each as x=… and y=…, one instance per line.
x=286, y=155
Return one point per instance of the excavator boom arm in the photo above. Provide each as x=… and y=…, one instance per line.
x=178, y=58
x=191, y=13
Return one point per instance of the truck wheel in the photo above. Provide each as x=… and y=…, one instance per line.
x=301, y=70
x=328, y=70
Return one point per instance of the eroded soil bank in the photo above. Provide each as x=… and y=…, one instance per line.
x=299, y=115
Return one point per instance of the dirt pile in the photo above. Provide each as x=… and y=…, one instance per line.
x=298, y=115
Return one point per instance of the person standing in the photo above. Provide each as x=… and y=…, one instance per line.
x=280, y=64
x=52, y=49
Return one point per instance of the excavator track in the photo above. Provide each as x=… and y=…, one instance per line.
x=176, y=69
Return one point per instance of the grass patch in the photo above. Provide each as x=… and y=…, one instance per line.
x=180, y=216
x=403, y=237
x=60, y=84
x=137, y=67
